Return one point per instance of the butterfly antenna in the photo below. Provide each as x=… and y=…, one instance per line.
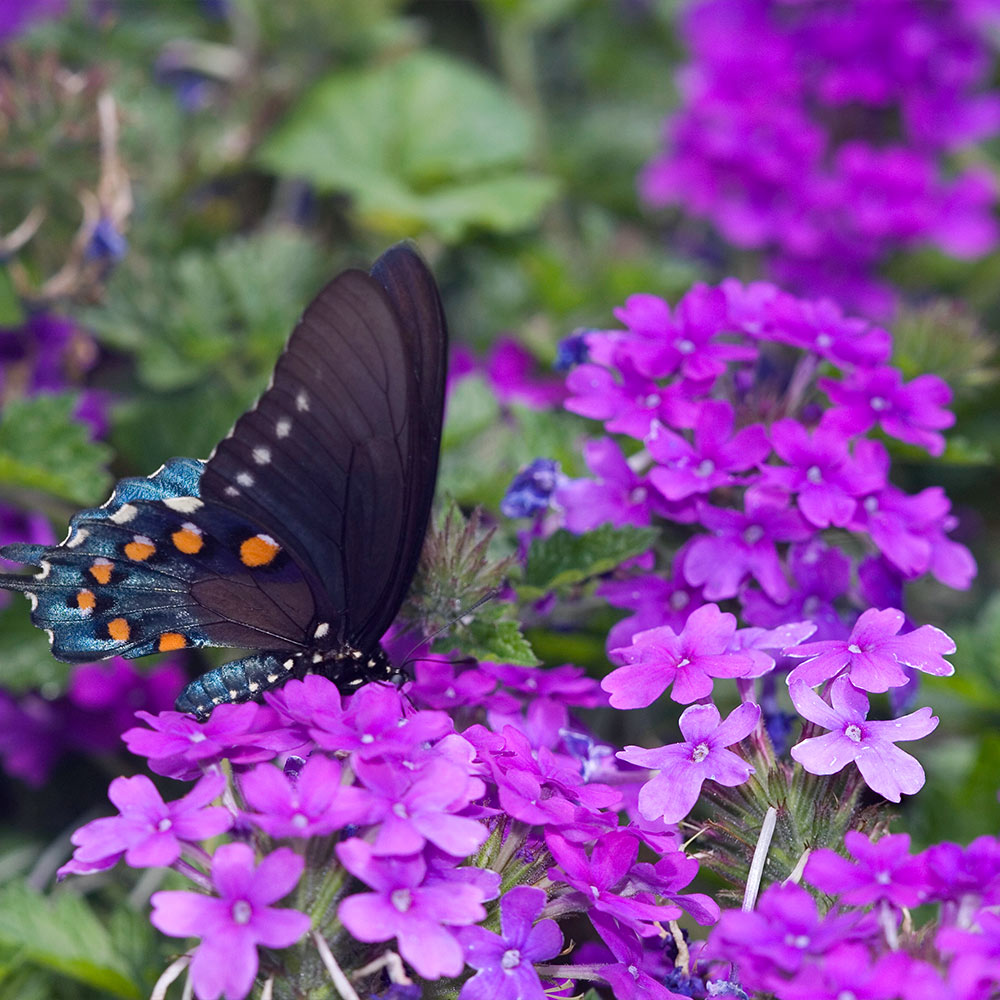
x=410, y=658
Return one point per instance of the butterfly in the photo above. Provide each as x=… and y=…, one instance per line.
x=299, y=536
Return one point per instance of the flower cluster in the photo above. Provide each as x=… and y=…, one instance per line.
x=465, y=837
x=817, y=133
x=749, y=413
x=866, y=944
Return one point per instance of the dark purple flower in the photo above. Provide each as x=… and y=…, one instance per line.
x=509, y=369
x=505, y=960
x=149, y=832
x=683, y=767
x=874, y=655
x=567, y=683
x=420, y=916
x=531, y=489
x=659, y=657
x=17, y=15
x=882, y=871
x=571, y=351
x=106, y=243
x=31, y=735
x=852, y=737
x=235, y=922
x=956, y=874
x=313, y=803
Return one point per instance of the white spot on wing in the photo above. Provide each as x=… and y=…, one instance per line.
x=50, y=635
x=32, y=599
x=321, y=630
x=262, y=455
x=183, y=505
x=79, y=537
x=302, y=401
x=46, y=568
x=231, y=491
x=283, y=427
x=124, y=514
x=245, y=479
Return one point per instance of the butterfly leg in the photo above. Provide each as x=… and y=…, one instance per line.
x=238, y=681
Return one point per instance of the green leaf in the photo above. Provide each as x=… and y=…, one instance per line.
x=486, y=638
x=61, y=933
x=11, y=313
x=424, y=141
x=44, y=449
x=25, y=661
x=563, y=559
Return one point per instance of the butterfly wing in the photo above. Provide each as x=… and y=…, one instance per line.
x=337, y=461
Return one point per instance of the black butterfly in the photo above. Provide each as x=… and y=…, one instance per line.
x=300, y=535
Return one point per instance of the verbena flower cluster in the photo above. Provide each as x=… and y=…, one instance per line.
x=819, y=134
x=462, y=836
x=748, y=415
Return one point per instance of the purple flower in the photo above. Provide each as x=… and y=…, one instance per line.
x=743, y=544
x=871, y=745
x=627, y=978
x=233, y=924
x=955, y=873
x=438, y=684
x=531, y=489
x=874, y=656
x=505, y=960
x=571, y=351
x=567, y=683
x=313, y=804
x=654, y=601
x=411, y=809
x=849, y=970
x=509, y=368
x=703, y=756
x=419, y=916
x=883, y=871
x=149, y=832
x=659, y=657
x=914, y=412
x=688, y=469
x=17, y=15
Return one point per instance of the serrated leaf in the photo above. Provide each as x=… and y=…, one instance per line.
x=424, y=141
x=62, y=934
x=44, y=449
x=564, y=559
x=499, y=641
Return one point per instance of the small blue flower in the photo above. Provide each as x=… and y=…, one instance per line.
x=571, y=351
x=106, y=243
x=531, y=489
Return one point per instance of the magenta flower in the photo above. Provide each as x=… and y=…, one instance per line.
x=871, y=745
x=420, y=916
x=874, y=655
x=883, y=871
x=232, y=924
x=627, y=977
x=914, y=412
x=659, y=657
x=741, y=545
x=703, y=756
x=149, y=832
x=687, y=469
x=314, y=804
x=506, y=960
x=411, y=809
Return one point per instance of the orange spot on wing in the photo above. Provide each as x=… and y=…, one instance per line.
x=259, y=550
x=85, y=600
x=188, y=540
x=140, y=548
x=100, y=570
x=170, y=641
x=118, y=629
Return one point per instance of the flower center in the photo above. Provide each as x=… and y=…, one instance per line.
x=879, y=403
x=241, y=912
x=854, y=649
x=653, y=399
x=165, y=824
x=753, y=534
x=402, y=899
x=197, y=737
x=300, y=820
x=699, y=753
x=399, y=809
x=684, y=346
x=511, y=959
x=367, y=738
x=638, y=495
x=824, y=340
x=450, y=692
x=633, y=972
x=814, y=475
x=853, y=732
x=797, y=940
x=595, y=892
x=679, y=600
x=705, y=468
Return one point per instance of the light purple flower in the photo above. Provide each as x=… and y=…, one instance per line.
x=871, y=745
x=703, y=756
x=882, y=871
x=235, y=922
x=874, y=655
x=659, y=657
x=421, y=917
x=313, y=804
x=505, y=960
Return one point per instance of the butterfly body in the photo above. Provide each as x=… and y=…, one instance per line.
x=300, y=535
